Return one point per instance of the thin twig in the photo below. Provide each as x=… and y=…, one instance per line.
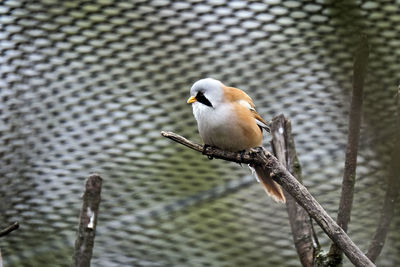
x=88, y=221
x=315, y=237
x=379, y=237
x=9, y=229
x=349, y=175
x=392, y=192
x=282, y=176
x=300, y=222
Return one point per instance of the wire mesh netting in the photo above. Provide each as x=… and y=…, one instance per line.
x=88, y=86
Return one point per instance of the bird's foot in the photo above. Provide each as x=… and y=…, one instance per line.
x=242, y=153
x=255, y=150
x=204, y=151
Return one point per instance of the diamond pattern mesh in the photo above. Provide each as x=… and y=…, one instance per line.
x=88, y=85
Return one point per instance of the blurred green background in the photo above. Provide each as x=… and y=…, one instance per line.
x=87, y=86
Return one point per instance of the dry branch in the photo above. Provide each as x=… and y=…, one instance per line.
x=9, y=229
x=6, y=231
x=88, y=221
x=349, y=175
x=392, y=192
x=282, y=176
x=300, y=222
x=379, y=237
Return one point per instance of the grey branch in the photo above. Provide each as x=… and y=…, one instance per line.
x=349, y=175
x=88, y=221
x=392, y=193
x=9, y=229
x=300, y=222
x=282, y=176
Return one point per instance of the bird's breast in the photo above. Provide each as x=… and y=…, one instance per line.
x=223, y=128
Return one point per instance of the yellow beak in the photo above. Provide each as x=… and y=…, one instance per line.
x=191, y=100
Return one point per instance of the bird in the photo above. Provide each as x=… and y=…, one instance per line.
x=227, y=119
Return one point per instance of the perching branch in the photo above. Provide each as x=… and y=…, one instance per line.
x=349, y=175
x=88, y=221
x=392, y=192
x=300, y=222
x=281, y=175
x=9, y=229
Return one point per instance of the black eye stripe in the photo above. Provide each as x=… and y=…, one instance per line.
x=202, y=99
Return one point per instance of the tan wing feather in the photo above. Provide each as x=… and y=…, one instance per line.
x=233, y=94
x=241, y=98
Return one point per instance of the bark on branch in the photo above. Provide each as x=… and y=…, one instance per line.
x=300, y=222
x=282, y=176
x=88, y=221
x=9, y=229
x=349, y=175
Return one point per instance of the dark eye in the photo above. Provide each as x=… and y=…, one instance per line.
x=202, y=99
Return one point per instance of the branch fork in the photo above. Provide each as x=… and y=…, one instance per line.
x=282, y=176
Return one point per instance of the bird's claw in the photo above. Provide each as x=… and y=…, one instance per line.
x=204, y=151
x=242, y=153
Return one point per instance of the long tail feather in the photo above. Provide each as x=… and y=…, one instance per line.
x=273, y=189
